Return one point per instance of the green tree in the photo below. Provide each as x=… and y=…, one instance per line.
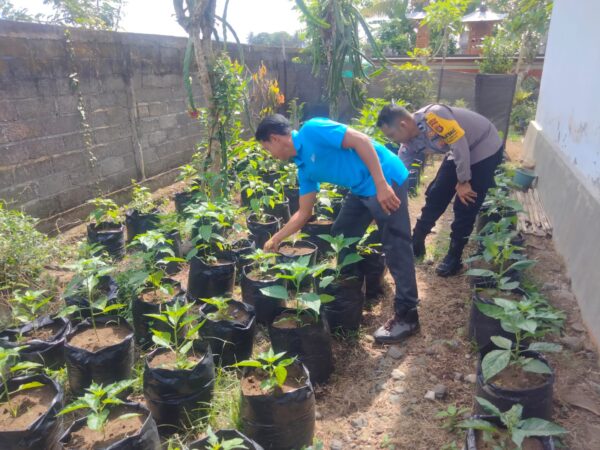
x=444, y=16
x=8, y=11
x=498, y=54
x=332, y=31
x=276, y=39
x=95, y=14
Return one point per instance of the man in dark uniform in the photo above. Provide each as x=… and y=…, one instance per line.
x=473, y=152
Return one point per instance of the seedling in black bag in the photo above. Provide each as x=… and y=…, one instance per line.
x=263, y=261
x=183, y=331
x=273, y=366
x=338, y=244
x=214, y=443
x=158, y=249
x=222, y=308
x=105, y=211
x=29, y=305
x=296, y=272
x=513, y=427
x=99, y=401
x=9, y=364
x=141, y=199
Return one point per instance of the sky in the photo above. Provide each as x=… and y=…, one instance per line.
x=157, y=16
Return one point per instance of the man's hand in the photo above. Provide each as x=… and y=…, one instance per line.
x=387, y=198
x=272, y=245
x=465, y=193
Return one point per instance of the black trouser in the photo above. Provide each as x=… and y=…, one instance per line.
x=354, y=218
x=442, y=189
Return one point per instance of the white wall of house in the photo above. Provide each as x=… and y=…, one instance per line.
x=564, y=143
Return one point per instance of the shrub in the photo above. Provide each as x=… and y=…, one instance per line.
x=23, y=250
x=411, y=83
x=498, y=54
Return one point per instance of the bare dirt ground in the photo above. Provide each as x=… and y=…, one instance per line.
x=375, y=399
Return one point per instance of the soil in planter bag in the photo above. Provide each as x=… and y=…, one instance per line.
x=146, y=439
x=142, y=324
x=225, y=435
x=107, y=286
x=344, y=313
x=536, y=401
x=107, y=365
x=50, y=352
x=110, y=236
x=173, y=394
x=284, y=422
x=230, y=341
x=206, y=281
x=44, y=432
x=137, y=223
x=265, y=307
x=311, y=343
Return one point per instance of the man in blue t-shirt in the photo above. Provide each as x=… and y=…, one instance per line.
x=328, y=151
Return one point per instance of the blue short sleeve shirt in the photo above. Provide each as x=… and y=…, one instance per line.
x=322, y=159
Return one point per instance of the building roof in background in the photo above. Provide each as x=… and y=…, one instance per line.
x=483, y=14
x=416, y=15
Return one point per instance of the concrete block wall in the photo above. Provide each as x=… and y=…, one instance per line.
x=61, y=145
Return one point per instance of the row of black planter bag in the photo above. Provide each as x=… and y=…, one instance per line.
x=514, y=385
x=98, y=348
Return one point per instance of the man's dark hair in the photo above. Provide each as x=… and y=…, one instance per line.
x=389, y=113
x=273, y=124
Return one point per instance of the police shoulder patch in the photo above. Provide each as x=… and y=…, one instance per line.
x=449, y=130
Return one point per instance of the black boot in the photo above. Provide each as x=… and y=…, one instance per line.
x=452, y=262
x=418, y=240
x=399, y=327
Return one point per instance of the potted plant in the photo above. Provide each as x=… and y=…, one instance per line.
x=212, y=272
x=329, y=201
x=110, y=422
x=158, y=251
x=42, y=335
x=508, y=430
x=278, y=404
x=339, y=280
x=299, y=329
x=255, y=277
x=29, y=403
x=179, y=375
x=240, y=250
x=512, y=372
x=100, y=348
x=489, y=315
x=224, y=440
x=295, y=247
x=186, y=197
x=261, y=225
x=106, y=228
x=372, y=266
x=497, y=205
x=229, y=329
x=142, y=212
x=319, y=224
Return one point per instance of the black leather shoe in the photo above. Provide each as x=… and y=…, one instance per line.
x=418, y=240
x=450, y=266
x=398, y=328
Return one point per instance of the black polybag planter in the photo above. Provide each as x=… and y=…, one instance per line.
x=536, y=401
x=44, y=432
x=225, y=435
x=314, y=229
x=471, y=438
x=183, y=200
x=146, y=439
x=482, y=327
x=280, y=422
x=281, y=211
x=283, y=258
x=137, y=223
x=372, y=267
x=311, y=343
x=293, y=196
x=49, y=353
x=265, y=307
x=172, y=395
x=206, y=280
x=110, y=236
x=107, y=286
x=230, y=341
x=143, y=324
x=344, y=313
x=107, y=365
x=261, y=232
x=171, y=267
x=239, y=253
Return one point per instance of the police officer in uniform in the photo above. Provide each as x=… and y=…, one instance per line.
x=473, y=152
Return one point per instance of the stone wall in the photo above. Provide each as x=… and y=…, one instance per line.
x=84, y=112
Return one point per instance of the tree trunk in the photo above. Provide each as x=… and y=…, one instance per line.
x=444, y=53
